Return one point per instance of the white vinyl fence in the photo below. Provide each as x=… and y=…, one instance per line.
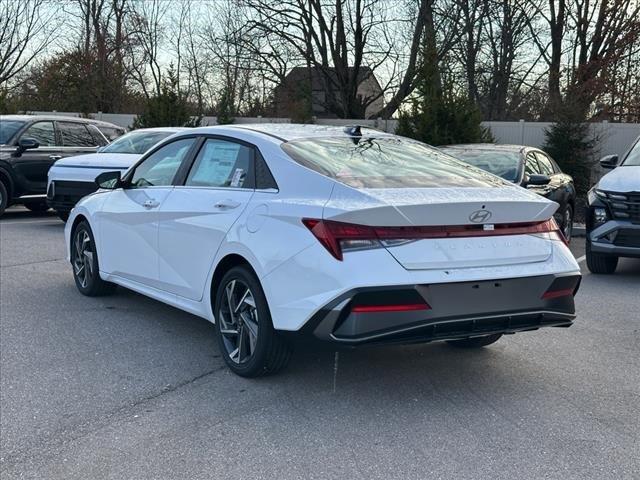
x=613, y=138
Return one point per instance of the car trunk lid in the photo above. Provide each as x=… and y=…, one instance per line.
x=487, y=212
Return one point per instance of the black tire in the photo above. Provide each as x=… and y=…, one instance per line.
x=475, y=342
x=4, y=198
x=268, y=353
x=600, y=264
x=37, y=207
x=84, y=261
x=64, y=216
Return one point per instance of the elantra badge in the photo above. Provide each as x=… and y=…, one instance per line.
x=480, y=216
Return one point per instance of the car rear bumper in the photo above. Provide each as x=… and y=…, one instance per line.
x=449, y=310
x=616, y=238
x=62, y=195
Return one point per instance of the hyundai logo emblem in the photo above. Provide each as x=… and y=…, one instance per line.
x=480, y=216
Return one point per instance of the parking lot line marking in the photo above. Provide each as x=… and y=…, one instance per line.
x=18, y=222
x=581, y=259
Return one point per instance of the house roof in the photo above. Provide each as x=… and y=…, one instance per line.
x=301, y=74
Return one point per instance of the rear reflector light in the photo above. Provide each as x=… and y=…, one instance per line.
x=339, y=236
x=558, y=293
x=408, y=307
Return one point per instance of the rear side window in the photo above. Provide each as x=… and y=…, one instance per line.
x=385, y=162
x=76, y=135
x=221, y=163
x=43, y=132
x=545, y=164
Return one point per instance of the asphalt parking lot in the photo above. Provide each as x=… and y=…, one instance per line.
x=126, y=387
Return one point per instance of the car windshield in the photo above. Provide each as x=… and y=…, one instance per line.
x=135, y=142
x=385, y=162
x=8, y=128
x=633, y=157
x=502, y=164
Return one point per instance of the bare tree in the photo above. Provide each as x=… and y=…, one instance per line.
x=343, y=43
x=589, y=38
x=148, y=30
x=26, y=30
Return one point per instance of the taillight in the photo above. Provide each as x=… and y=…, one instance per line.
x=337, y=237
x=402, y=307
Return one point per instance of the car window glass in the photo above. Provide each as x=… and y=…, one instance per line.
x=43, y=132
x=76, y=135
x=160, y=168
x=505, y=164
x=633, y=157
x=98, y=138
x=545, y=164
x=8, y=129
x=136, y=142
x=531, y=165
x=221, y=164
x=385, y=162
x=110, y=132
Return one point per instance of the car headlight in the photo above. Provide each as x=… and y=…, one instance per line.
x=600, y=193
x=599, y=216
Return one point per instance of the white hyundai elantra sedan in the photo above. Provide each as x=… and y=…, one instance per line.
x=349, y=236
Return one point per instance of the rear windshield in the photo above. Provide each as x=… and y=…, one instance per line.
x=8, y=129
x=385, y=162
x=135, y=142
x=502, y=164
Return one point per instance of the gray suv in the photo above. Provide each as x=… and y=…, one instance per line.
x=613, y=213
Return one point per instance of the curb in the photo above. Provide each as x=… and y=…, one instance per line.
x=579, y=230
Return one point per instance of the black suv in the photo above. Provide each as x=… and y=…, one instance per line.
x=29, y=145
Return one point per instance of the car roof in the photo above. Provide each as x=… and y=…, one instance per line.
x=161, y=129
x=27, y=118
x=486, y=146
x=295, y=131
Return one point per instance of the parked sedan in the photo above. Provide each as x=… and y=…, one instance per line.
x=353, y=237
x=528, y=167
x=72, y=178
x=29, y=145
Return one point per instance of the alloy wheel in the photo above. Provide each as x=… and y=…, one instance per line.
x=238, y=317
x=83, y=258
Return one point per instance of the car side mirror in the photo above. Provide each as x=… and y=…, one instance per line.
x=537, y=179
x=109, y=180
x=27, y=144
x=609, y=162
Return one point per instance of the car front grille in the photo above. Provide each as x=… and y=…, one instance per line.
x=624, y=206
x=63, y=195
x=627, y=238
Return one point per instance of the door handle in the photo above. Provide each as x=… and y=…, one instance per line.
x=227, y=204
x=55, y=157
x=150, y=204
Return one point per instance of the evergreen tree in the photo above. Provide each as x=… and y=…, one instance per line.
x=438, y=115
x=570, y=143
x=225, y=108
x=169, y=109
